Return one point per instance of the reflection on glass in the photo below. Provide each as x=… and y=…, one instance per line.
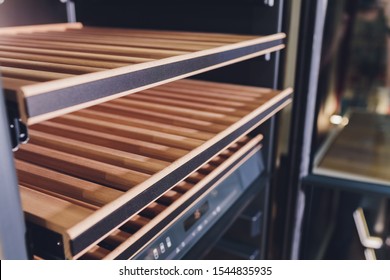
x=366, y=72
x=353, y=126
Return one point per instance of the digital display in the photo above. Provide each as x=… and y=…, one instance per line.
x=198, y=213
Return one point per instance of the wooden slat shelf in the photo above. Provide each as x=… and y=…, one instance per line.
x=359, y=151
x=61, y=68
x=112, y=159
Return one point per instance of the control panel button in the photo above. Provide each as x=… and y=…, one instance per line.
x=162, y=248
x=168, y=241
x=155, y=254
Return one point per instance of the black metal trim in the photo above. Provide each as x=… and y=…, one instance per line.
x=156, y=230
x=18, y=130
x=345, y=184
x=154, y=191
x=303, y=116
x=55, y=100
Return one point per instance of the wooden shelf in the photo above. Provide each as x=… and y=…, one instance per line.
x=111, y=160
x=60, y=68
x=358, y=151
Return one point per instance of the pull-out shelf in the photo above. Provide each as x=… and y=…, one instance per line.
x=209, y=189
x=57, y=69
x=105, y=164
x=358, y=151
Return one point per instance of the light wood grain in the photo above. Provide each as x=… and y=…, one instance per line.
x=96, y=253
x=189, y=113
x=153, y=210
x=131, y=132
x=206, y=99
x=169, y=197
x=191, y=105
x=40, y=28
x=192, y=123
x=32, y=75
x=120, y=41
x=103, y=154
x=115, y=238
x=138, y=122
x=48, y=66
x=191, y=36
x=50, y=212
x=58, y=182
x=226, y=88
x=126, y=144
x=62, y=60
x=14, y=84
x=122, y=59
x=113, y=176
x=206, y=93
x=183, y=187
x=93, y=48
x=137, y=37
x=136, y=223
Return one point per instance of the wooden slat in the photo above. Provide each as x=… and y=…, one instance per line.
x=119, y=41
x=14, y=84
x=97, y=253
x=40, y=28
x=95, y=48
x=136, y=122
x=115, y=238
x=192, y=36
x=122, y=59
x=225, y=88
x=185, y=104
x=153, y=210
x=199, y=92
x=48, y=66
x=183, y=187
x=132, y=132
x=207, y=99
x=135, y=223
x=98, y=153
x=99, y=172
x=169, y=197
x=192, y=123
x=33, y=75
x=130, y=145
x=61, y=60
x=58, y=182
x=136, y=37
x=50, y=212
x=175, y=110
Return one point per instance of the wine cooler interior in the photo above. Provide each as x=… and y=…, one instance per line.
x=120, y=153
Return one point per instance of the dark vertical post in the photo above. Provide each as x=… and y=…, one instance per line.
x=269, y=146
x=303, y=118
x=12, y=227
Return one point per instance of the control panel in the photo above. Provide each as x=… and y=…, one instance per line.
x=175, y=241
